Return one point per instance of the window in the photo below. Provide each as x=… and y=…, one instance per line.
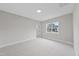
x=52, y=27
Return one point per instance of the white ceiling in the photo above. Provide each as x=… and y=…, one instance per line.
x=49, y=10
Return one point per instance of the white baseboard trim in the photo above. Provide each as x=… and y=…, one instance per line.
x=13, y=43
x=61, y=41
x=17, y=42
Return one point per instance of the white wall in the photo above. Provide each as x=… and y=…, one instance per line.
x=65, y=34
x=16, y=28
x=76, y=28
x=38, y=30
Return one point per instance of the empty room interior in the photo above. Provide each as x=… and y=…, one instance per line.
x=39, y=29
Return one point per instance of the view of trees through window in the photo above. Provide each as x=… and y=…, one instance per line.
x=53, y=27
